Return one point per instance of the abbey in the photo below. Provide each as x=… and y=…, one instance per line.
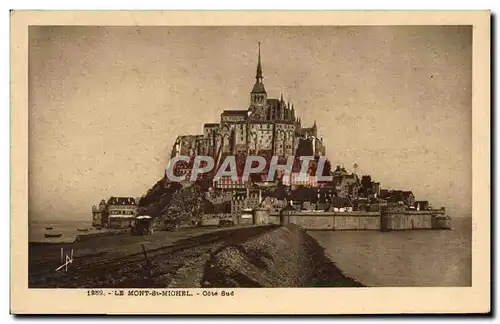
x=271, y=129
x=267, y=127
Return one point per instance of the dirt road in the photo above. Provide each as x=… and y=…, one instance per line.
x=173, y=259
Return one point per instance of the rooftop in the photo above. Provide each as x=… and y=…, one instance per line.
x=234, y=112
x=121, y=201
x=258, y=88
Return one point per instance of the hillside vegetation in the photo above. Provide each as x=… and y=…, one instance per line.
x=174, y=201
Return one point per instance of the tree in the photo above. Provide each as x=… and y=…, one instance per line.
x=366, y=182
x=185, y=204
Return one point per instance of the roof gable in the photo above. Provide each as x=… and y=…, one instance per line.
x=121, y=201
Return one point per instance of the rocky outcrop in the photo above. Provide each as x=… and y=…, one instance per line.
x=284, y=257
x=166, y=201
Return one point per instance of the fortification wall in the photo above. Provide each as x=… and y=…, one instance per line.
x=357, y=222
x=274, y=218
x=397, y=219
x=389, y=219
x=312, y=222
x=399, y=222
x=213, y=219
x=329, y=220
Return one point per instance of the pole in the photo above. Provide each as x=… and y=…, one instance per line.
x=145, y=255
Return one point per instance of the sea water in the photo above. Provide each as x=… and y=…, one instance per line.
x=68, y=229
x=413, y=258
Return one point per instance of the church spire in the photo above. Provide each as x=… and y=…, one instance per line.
x=258, y=76
x=259, y=86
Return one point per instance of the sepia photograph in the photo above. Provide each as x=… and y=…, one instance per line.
x=198, y=160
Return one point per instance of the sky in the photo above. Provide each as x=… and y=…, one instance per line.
x=106, y=103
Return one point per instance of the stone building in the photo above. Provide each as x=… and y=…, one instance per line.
x=226, y=182
x=294, y=180
x=405, y=197
x=345, y=184
x=122, y=211
x=117, y=212
x=99, y=214
x=247, y=199
x=267, y=125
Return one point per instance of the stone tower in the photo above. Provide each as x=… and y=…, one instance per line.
x=258, y=96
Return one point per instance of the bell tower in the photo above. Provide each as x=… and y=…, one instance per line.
x=258, y=96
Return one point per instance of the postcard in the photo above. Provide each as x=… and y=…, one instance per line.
x=250, y=162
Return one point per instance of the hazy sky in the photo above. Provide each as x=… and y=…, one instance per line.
x=106, y=104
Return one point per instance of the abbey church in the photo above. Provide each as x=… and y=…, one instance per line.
x=267, y=127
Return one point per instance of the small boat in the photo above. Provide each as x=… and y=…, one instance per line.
x=51, y=235
x=48, y=228
x=82, y=229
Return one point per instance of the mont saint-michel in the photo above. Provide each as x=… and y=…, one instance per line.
x=258, y=182
x=271, y=129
